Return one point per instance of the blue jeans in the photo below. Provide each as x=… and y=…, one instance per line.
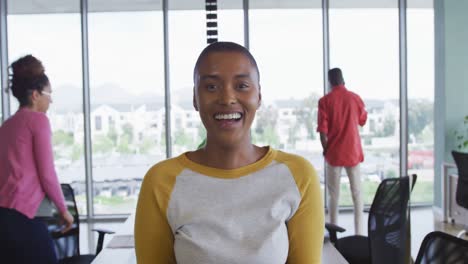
x=24, y=240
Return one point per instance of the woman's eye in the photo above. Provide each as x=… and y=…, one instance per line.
x=243, y=86
x=211, y=87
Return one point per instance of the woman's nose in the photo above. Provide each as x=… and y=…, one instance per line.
x=227, y=96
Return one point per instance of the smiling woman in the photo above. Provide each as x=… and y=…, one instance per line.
x=227, y=96
x=261, y=205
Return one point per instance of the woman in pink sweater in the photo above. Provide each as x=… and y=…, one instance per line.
x=27, y=171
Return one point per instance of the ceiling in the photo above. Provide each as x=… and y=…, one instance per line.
x=73, y=6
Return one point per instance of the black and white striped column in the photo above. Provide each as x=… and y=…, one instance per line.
x=211, y=7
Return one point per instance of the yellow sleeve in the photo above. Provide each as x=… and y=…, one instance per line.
x=154, y=240
x=306, y=228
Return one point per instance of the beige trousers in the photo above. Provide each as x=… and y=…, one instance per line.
x=333, y=186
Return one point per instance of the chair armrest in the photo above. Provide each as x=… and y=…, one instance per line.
x=413, y=178
x=335, y=228
x=105, y=231
x=57, y=233
x=100, y=242
x=332, y=230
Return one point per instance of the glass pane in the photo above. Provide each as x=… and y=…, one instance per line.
x=420, y=29
x=364, y=44
x=291, y=77
x=230, y=21
x=187, y=130
x=127, y=104
x=55, y=39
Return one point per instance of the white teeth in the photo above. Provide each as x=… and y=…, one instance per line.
x=227, y=116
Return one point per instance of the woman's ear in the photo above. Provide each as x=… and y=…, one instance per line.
x=35, y=95
x=195, y=105
x=259, y=97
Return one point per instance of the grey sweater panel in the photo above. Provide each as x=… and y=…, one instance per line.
x=233, y=220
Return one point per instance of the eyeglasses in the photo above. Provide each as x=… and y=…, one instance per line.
x=46, y=93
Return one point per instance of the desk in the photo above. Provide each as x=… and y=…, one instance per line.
x=453, y=213
x=330, y=255
x=127, y=255
x=446, y=190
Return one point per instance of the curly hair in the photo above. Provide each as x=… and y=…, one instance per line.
x=28, y=75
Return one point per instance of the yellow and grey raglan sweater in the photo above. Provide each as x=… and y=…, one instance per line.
x=267, y=212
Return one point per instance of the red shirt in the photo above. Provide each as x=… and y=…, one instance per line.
x=340, y=112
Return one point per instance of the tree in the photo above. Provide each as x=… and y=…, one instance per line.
x=162, y=141
x=61, y=137
x=388, y=126
x=183, y=139
x=307, y=114
x=123, y=146
x=112, y=135
x=102, y=144
x=146, y=145
x=77, y=152
x=269, y=136
x=292, y=135
x=427, y=135
x=266, y=118
x=420, y=115
x=127, y=129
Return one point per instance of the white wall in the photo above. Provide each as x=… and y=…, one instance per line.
x=451, y=103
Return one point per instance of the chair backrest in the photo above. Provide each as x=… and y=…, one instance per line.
x=442, y=248
x=67, y=244
x=388, y=222
x=461, y=195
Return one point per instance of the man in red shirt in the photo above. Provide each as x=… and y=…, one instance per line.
x=340, y=112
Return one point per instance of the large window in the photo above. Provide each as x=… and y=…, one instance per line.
x=55, y=39
x=126, y=67
x=287, y=44
x=187, y=129
x=184, y=47
x=364, y=44
x=127, y=84
x=420, y=31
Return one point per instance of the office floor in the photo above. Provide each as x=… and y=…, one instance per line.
x=422, y=222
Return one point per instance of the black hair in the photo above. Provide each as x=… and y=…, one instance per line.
x=225, y=46
x=28, y=75
x=335, y=76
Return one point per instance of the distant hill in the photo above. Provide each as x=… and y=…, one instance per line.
x=70, y=97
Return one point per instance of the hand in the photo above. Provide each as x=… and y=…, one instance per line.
x=66, y=219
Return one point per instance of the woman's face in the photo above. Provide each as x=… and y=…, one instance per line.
x=44, y=99
x=227, y=96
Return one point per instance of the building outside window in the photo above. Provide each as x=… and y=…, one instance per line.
x=127, y=92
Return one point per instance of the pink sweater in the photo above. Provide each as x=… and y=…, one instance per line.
x=27, y=170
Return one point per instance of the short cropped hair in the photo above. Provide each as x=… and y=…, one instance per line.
x=224, y=46
x=335, y=76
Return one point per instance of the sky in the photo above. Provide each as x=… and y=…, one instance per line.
x=126, y=50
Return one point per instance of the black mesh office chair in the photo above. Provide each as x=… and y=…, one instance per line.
x=442, y=248
x=388, y=227
x=67, y=245
x=461, y=194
